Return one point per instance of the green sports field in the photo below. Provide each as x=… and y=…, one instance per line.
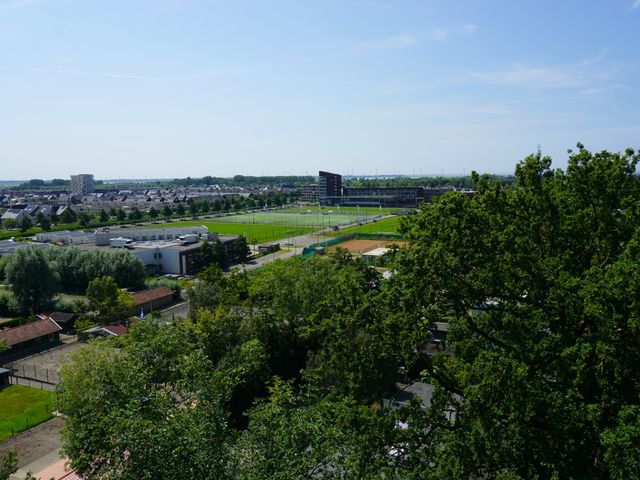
x=297, y=217
x=255, y=233
x=22, y=408
x=343, y=210
x=385, y=226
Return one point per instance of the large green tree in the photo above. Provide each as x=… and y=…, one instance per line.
x=539, y=284
x=126, y=422
x=107, y=301
x=33, y=279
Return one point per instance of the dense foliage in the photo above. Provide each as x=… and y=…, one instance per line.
x=243, y=180
x=77, y=267
x=467, y=182
x=107, y=301
x=33, y=279
x=280, y=374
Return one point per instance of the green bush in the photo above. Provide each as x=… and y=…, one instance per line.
x=8, y=304
x=167, y=282
x=70, y=306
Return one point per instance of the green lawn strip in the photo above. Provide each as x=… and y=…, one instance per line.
x=23, y=407
x=259, y=233
x=388, y=225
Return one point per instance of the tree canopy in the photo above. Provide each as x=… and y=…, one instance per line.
x=281, y=373
x=33, y=279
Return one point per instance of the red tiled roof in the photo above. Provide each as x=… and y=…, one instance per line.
x=116, y=329
x=30, y=331
x=151, y=294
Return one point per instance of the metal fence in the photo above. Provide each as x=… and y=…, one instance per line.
x=36, y=373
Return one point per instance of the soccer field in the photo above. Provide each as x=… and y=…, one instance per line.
x=313, y=217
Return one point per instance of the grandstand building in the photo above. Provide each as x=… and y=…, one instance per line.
x=331, y=192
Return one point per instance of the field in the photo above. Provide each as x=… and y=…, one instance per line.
x=258, y=233
x=343, y=210
x=312, y=217
x=266, y=226
x=22, y=408
x=361, y=246
x=385, y=226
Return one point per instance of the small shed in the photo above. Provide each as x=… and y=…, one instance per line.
x=372, y=256
x=151, y=299
x=266, y=248
x=31, y=337
x=114, y=329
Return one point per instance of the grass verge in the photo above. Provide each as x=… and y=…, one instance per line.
x=23, y=407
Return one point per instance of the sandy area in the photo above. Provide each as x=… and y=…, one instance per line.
x=362, y=246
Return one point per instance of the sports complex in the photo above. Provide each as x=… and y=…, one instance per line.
x=268, y=225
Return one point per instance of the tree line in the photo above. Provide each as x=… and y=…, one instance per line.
x=245, y=180
x=37, y=275
x=465, y=182
x=282, y=373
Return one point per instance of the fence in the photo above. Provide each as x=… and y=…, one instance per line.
x=34, y=372
x=310, y=250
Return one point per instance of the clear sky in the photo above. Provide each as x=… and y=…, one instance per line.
x=166, y=88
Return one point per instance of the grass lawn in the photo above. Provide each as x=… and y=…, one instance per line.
x=388, y=225
x=299, y=217
x=260, y=233
x=23, y=407
x=342, y=210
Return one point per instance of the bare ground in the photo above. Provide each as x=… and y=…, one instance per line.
x=363, y=245
x=36, y=442
x=44, y=366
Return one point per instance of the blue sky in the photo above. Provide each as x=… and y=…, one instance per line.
x=166, y=88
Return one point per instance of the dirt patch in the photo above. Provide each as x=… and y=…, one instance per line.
x=45, y=366
x=36, y=442
x=361, y=246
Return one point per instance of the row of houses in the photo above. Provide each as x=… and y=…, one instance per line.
x=32, y=211
x=127, y=198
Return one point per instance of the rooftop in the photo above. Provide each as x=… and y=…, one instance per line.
x=29, y=331
x=377, y=252
x=152, y=294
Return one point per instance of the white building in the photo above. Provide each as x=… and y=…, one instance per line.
x=82, y=184
x=68, y=237
x=151, y=234
x=372, y=256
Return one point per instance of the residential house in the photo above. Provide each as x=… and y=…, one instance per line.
x=13, y=214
